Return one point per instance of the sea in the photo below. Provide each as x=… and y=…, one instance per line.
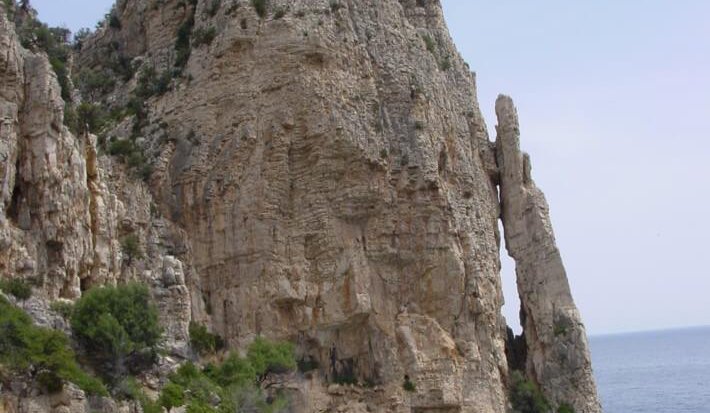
x=653, y=372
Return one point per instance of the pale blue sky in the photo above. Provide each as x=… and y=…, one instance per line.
x=614, y=101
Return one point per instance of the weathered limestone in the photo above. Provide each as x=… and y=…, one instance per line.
x=64, y=209
x=333, y=181
x=70, y=400
x=324, y=177
x=557, y=350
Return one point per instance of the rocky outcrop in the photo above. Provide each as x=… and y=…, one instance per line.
x=70, y=400
x=44, y=227
x=332, y=175
x=64, y=209
x=321, y=175
x=557, y=349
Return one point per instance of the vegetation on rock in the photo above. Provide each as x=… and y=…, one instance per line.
x=130, y=244
x=16, y=287
x=41, y=353
x=408, y=385
x=63, y=308
x=232, y=385
x=129, y=388
x=260, y=6
x=182, y=41
x=118, y=326
x=565, y=408
x=202, y=341
x=525, y=395
x=204, y=36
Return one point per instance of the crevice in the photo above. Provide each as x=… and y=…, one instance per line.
x=516, y=350
x=13, y=210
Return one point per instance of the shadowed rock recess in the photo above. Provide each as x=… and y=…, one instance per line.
x=319, y=172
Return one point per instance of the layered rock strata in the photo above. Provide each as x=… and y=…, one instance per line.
x=323, y=177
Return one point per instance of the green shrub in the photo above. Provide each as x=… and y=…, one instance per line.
x=429, y=43
x=132, y=155
x=234, y=382
x=134, y=160
x=121, y=66
x=114, y=22
x=70, y=118
x=145, y=171
x=54, y=41
x=260, y=7
x=269, y=357
x=182, y=42
x=16, y=287
x=10, y=9
x=131, y=247
x=130, y=388
x=113, y=323
x=43, y=353
x=63, y=308
x=112, y=18
x=90, y=118
x=560, y=330
x=204, y=36
x=565, y=408
x=234, y=370
x=408, y=385
x=525, y=395
x=80, y=37
x=194, y=385
x=59, y=65
x=202, y=341
x=121, y=147
x=95, y=83
x=280, y=13
x=172, y=395
x=152, y=84
x=445, y=63
x=252, y=399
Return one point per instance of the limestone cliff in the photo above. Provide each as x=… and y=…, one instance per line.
x=321, y=174
x=557, y=349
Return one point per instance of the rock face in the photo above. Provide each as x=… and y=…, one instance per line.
x=63, y=211
x=322, y=176
x=44, y=223
x=557, y=350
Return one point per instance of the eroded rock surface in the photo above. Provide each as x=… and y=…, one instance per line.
x=557, y=349
x=64, y=209
x=323, y=177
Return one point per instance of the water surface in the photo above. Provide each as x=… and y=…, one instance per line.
x=654, y=372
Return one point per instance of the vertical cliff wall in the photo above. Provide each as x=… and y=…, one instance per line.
x=321, y=174
x=63, y=208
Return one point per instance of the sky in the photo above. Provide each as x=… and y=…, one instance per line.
x=614, y=105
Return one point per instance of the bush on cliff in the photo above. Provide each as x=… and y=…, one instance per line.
x=130, y=244
x=525, y=395
x=268, y=357
x=43, y=354
x=118, y=326
x=233, y=385
x=17, y=288
x=565, y=408
x=260, y=7
x=202, y=341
